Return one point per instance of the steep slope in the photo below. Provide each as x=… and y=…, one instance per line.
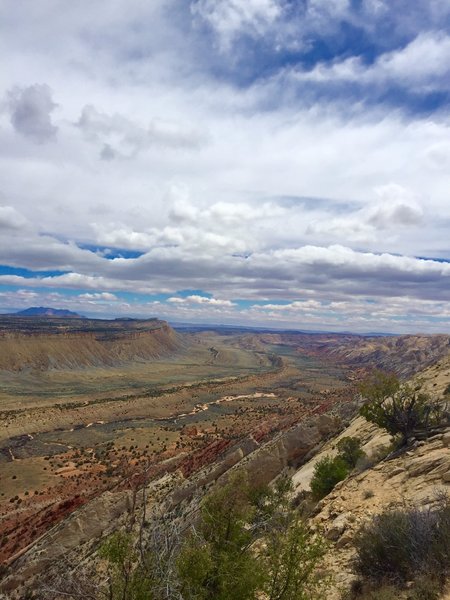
x=47, y=343
x=414, y=479
x=411, y=480
x=174, y=493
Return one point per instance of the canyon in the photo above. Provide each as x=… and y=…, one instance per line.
x=94, y=411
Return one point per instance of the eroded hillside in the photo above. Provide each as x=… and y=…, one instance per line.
x=403, y=354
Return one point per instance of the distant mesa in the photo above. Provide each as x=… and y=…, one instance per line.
x=43, y=311
x=43, y=339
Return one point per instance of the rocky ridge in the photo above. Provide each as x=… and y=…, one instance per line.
x=416, y=478
x=413, y=479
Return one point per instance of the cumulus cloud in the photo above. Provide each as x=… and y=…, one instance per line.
x=283, y=273
x=394, y=208
x=238, y=158
x=298, y=305
x=31, y=110
x=201, y=300
x=397, y=208
x=99, y=296
x=121, y=236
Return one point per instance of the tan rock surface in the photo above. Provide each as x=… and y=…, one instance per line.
x=413, y=479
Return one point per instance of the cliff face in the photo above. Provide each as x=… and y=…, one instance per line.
x=88, y=344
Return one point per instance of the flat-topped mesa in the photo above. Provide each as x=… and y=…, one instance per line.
x=53, y=343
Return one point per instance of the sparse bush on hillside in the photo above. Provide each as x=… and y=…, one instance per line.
x=407, y=545
x=327, y=473
x=399, y=408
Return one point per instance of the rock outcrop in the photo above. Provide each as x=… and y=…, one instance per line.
x=416, y=478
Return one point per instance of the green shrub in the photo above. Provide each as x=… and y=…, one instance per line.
x=218, y=560
x=402, y=545
x=427, y=587
x=128, y=579
x=384, y=592
x=398, y=408
x=327, y=473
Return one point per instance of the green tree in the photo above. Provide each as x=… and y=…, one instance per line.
x=249, y=542
x=128, y=579
x=216, y=561
x=292, y=554
x=349, y=449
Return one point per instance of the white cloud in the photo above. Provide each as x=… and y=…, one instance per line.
x=119, y=136
x=225, y=175
x=397, y=207
x=96, y=296
x=423, y=63
x=394, y=209
x=297, y=306
x=201, y=300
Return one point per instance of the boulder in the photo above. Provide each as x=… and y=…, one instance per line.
x=337, y=527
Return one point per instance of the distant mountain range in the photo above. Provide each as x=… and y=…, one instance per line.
x=44, y=311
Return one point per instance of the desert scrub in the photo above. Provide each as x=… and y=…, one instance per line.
x=385, y=592
x=399, y=546
x=329, y=471
x=368, y=494
x=224, y=557
x=400, y=409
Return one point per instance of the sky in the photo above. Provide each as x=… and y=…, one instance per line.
x=276, y=163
